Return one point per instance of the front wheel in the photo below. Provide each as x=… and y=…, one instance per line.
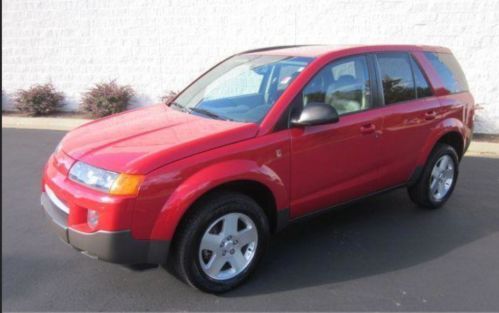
x=438, y=179
x=220, y=242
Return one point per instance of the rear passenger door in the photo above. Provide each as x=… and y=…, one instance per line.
x=410, y=112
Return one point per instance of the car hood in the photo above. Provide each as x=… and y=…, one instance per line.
x=144, y=139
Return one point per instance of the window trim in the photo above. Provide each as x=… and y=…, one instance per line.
x=375, y=84
x=377, y=88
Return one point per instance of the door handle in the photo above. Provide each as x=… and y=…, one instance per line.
x=368, y=128
x=430, y=115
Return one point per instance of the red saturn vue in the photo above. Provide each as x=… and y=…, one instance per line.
x=262, y=139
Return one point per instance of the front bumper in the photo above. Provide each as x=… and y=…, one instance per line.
x=112, y=246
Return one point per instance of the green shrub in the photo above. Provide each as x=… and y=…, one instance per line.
x=39, y=100
x=106, y=99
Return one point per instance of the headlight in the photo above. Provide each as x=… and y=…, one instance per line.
x=107, y=181
x=92, y=176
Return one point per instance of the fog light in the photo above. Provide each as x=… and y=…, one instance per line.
x=92, y=218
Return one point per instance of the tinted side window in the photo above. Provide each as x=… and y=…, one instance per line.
x=423, y=88
x=343, y=84
x=396, y=77
x=449, y=71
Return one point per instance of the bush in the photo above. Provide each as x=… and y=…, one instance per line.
x=168, y=97
x=39, y=100
x=106, y=99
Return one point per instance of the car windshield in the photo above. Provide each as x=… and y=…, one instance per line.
x=242, y=88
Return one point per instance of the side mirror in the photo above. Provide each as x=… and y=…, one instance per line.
x=316, y=113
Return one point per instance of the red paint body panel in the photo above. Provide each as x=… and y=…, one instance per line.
x=334, y=162
x=169, y=191
x=145, y=139
x=184, y=156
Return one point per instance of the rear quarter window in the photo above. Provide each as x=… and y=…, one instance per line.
x=450, y=72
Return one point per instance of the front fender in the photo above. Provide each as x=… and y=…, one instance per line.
x=441, y=129
x=209, y=178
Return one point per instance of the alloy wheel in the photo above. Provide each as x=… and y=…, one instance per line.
x=228, y=246
x=442, y=177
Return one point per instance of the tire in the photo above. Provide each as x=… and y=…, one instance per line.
x=210, y=221
x=434, y=188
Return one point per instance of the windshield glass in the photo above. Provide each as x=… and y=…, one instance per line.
x=242, y=88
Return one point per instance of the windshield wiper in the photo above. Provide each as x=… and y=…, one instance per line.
x=199, y=110
x=179, y=107
x=210, y=114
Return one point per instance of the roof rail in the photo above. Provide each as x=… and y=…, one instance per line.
x=273, y=48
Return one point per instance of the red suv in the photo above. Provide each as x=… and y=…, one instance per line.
x=263, y=138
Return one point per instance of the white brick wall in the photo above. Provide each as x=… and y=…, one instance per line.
x=158, y=45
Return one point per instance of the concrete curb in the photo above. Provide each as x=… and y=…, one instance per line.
x=477, y=148
x=483, y=149
x=53, y=123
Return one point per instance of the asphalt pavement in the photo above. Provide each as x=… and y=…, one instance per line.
x=382, y=254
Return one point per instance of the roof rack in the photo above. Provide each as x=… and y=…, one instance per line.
x=273, y=48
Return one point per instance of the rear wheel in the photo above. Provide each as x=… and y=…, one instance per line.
x=438, y=179
x=220, y=242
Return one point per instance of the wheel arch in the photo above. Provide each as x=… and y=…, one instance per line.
x=455, y=140
x=450, y=131
x=244, y=176
x=254, y=189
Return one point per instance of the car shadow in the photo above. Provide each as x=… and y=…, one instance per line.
x=382, y=234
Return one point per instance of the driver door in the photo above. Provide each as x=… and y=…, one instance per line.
x=337, y=162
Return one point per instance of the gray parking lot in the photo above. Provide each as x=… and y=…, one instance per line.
x=381, y=254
